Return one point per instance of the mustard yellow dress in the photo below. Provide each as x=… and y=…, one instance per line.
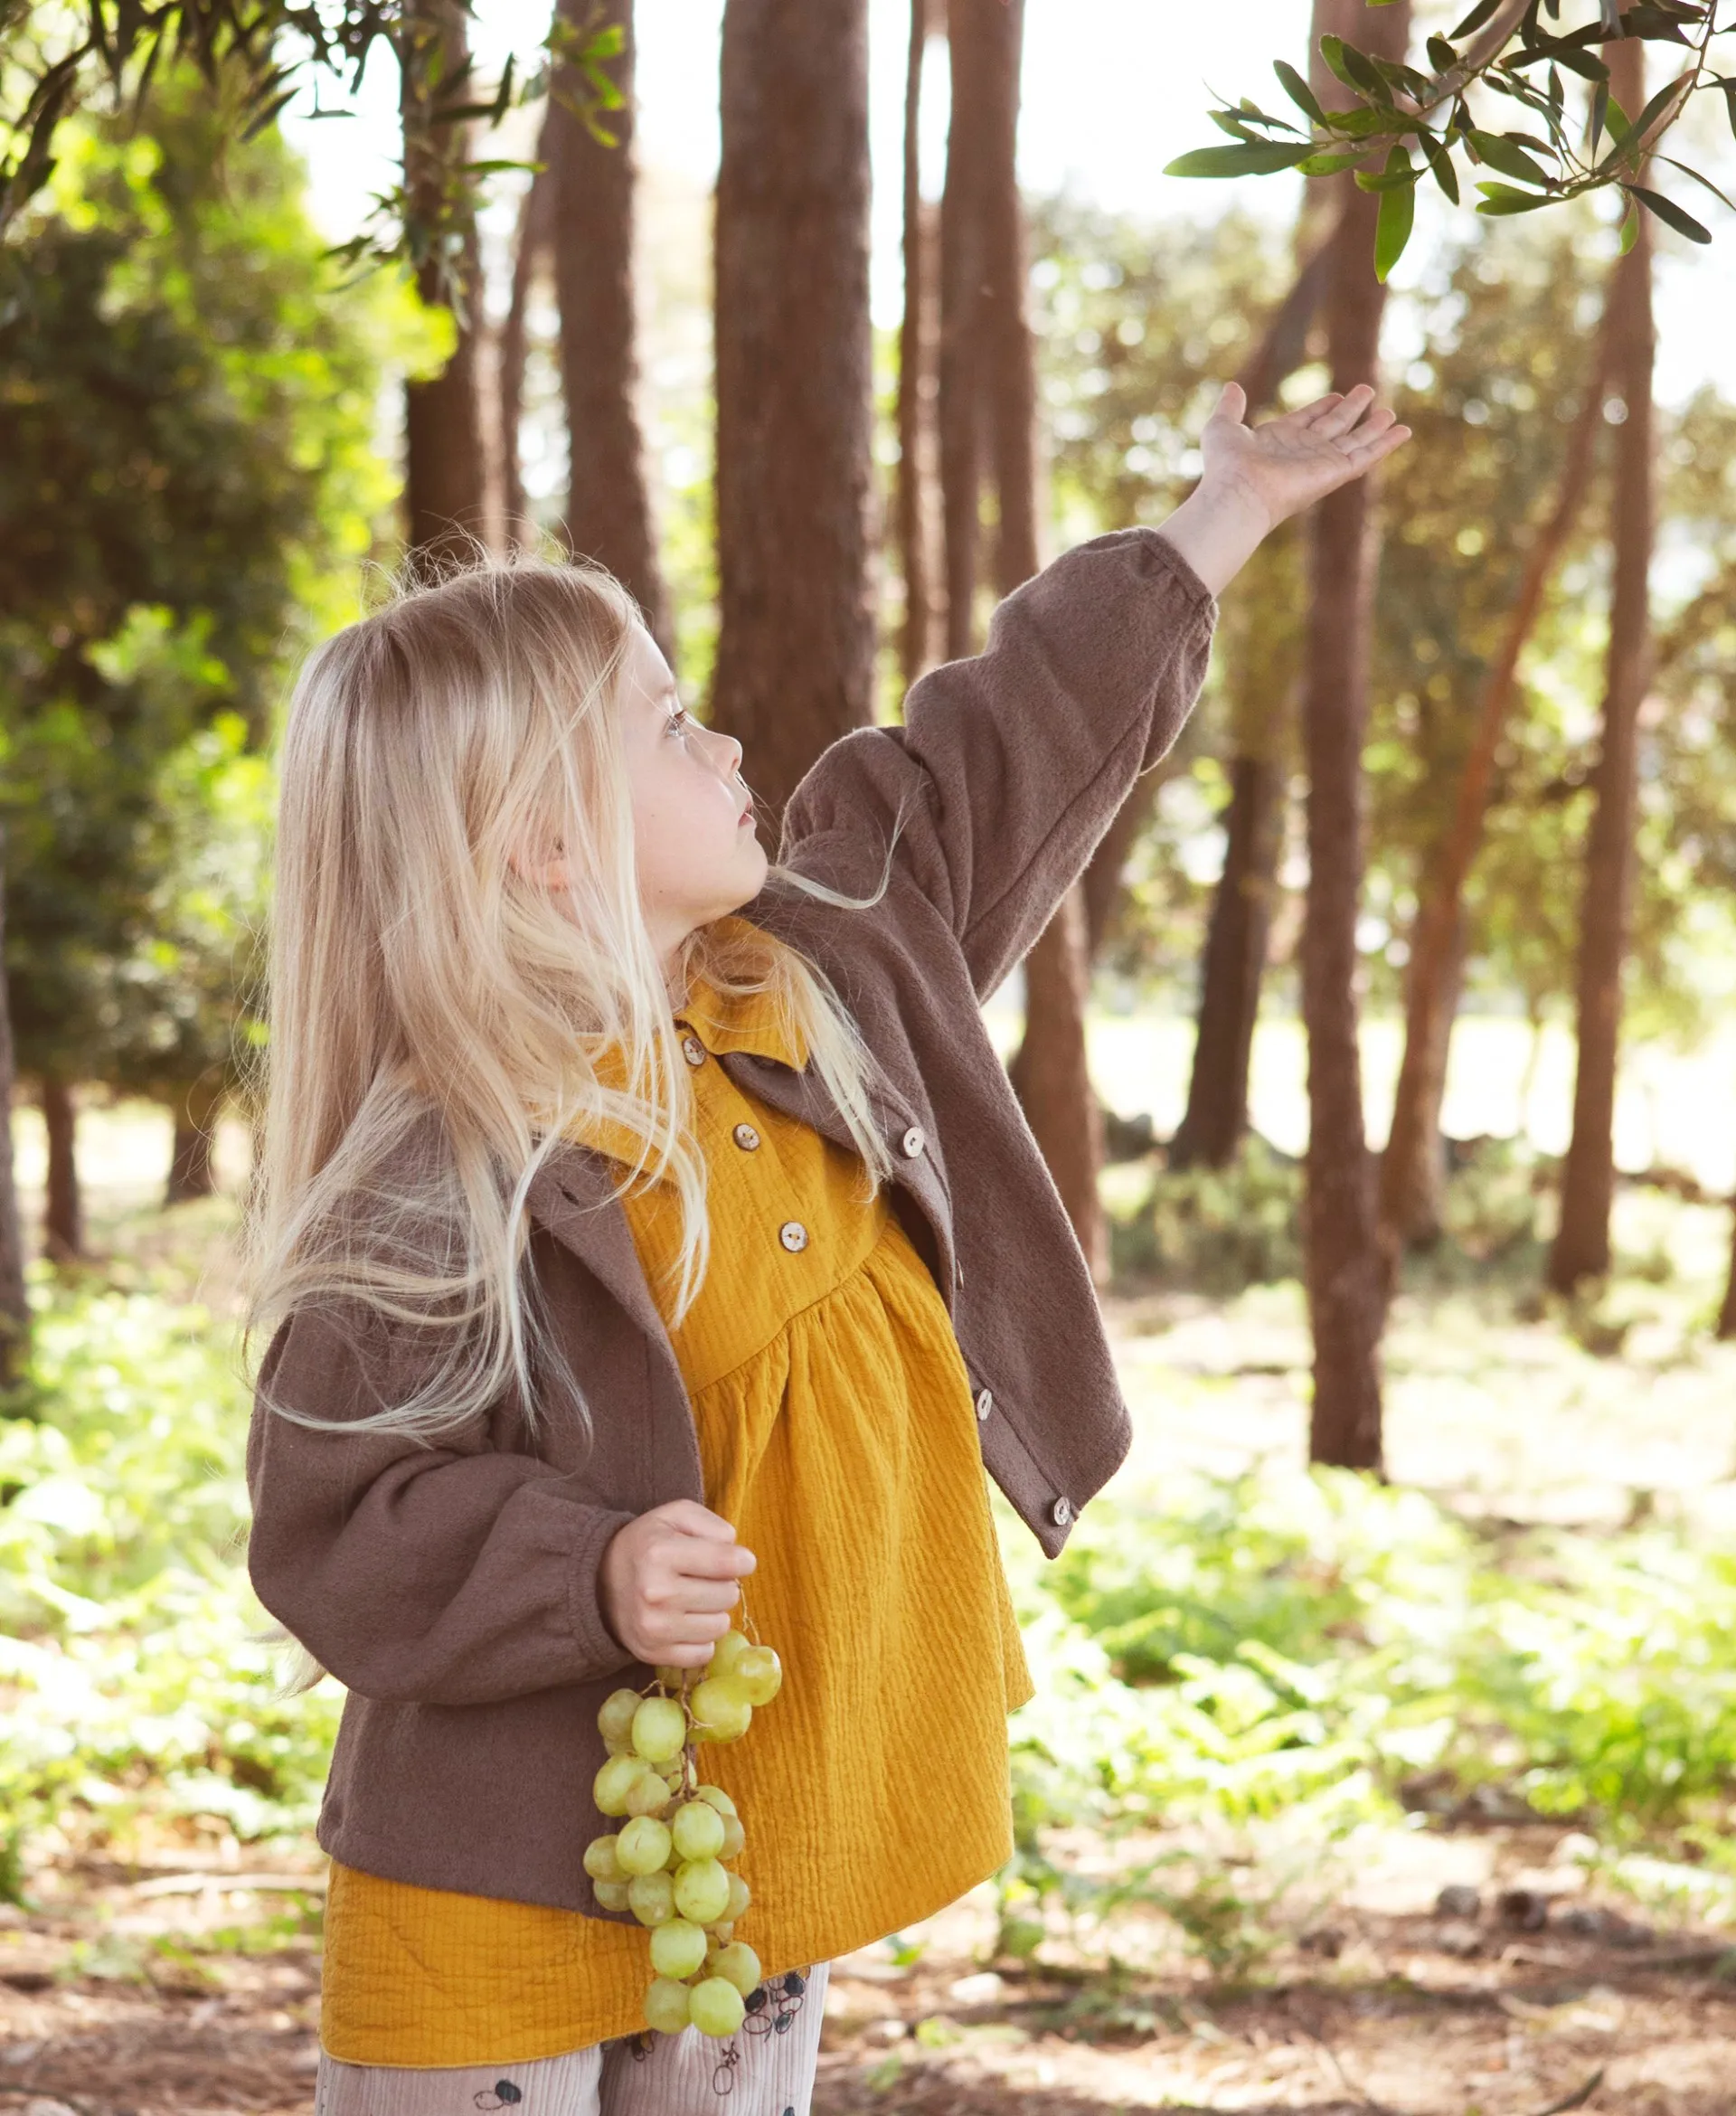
x=837, y=1431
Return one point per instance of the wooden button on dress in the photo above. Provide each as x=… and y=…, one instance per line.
x=746, y=1137
x=793, y=1235
x=692, y=1051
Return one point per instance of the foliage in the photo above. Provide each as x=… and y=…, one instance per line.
x=186, y=442
x=1521, y=58
x=130, y=1675
x=1218, y=1229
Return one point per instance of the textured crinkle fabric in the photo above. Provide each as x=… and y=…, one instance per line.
x=837, y=1433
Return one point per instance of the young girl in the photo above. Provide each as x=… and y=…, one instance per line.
x=639, y=1223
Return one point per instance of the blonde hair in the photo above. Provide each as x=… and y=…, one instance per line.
x=438, y=1023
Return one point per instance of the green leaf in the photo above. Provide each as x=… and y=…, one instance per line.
x=1299, y=90
x=1391, y=177
x=1501, y=198
x=1659, y=103
x=1698, y=178
x=1256, y=158
x=1630, y=234
x=1671, y=214
x=1442, y=55
x=1441, y=162
x=1508, y=157
x=1359, y=123
x=1398, y=212
x=1475, y=20
x=1327, y=165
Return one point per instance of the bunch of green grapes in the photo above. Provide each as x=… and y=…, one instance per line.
x=665, y=1864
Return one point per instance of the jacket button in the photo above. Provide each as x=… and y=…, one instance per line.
x=793, y=1235
x=1061, y=1512
x=914, y=1141
x=984, y=1404
x=746, y=1137
x=693, y=1050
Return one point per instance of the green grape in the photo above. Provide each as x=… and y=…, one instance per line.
x=651, y=1897
x=672, y=1678
x=698, y=1829
x=677, y=1948
x=716, y=2008
x=740, y=1897
x=611, y=1895
x=615, y=1781
x=617, y=1748
x=674, y=1861
x=659, y=1729
x=600, y=1862
x=761, y=1674
x=738, y=1964
x=703, y=1889
x=648, y=1794
x=722, y=1710
x=715, y=1797
x=734, y=1838
x=665, y=2006
x=643, y=1845
x=728, y=1650
x=615, y=1720
x=721, y=1934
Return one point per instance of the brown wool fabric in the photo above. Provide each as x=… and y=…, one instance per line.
x=452, y=1588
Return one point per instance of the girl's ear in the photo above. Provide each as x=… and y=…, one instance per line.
x=548, y=871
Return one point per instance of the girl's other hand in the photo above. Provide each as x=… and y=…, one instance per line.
x=1256, y=476
x=669, y=1583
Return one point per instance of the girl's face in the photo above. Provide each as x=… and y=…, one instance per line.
x=698, y=849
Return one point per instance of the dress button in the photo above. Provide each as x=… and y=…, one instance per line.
x=793, y=1235
x=914, y=1141
x=746, y=1137
x=985, y=1404
x=693, y=1050
x=1061, y=1512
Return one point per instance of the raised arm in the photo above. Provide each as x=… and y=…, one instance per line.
x=444, y=1574
x=1010, y=766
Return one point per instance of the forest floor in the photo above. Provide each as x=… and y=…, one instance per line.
x=186, y=1983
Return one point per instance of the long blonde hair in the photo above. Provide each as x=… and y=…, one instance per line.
x=438, y=1023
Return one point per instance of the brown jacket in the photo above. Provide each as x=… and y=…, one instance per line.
x=453, y=1588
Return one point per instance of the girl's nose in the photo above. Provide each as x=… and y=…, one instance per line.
x=732, y=751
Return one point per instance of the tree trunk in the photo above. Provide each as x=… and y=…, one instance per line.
x=609, y=503
x=1727, y=1313
x=1049, y=1072
x=987, y=37
x=1343, y=1258
x=14, y=1307
x=1581, y=1248
x=1413, y=1165
x=191, y=1172
x=62, y=1209
x=445, y=462
x=796, y=644
x=916, y=379
x=1233, y=966
x=530, y=248
x=963, y=268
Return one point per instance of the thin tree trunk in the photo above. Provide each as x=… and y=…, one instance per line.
x=446, y=479
x=14, y=1307
x=1233, y=966
x=1051, y=1072
x=529, y=249
x=1413, y=1165
x=915, y=375
x=963, y=267
x=191, y=1171
x=63, y=1208
x=1727, y=1313
x=795, y=645
x=1581, y=1248
x=1343, y=1258
x=609, y=503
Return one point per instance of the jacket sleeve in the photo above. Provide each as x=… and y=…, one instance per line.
x=1010, y=766
x=450, y=1574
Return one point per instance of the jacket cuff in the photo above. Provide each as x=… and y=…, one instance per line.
x=599, y=1649
x=1201, y=601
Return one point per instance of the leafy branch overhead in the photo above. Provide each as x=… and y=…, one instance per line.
x=1402, y=124
x=257, y=53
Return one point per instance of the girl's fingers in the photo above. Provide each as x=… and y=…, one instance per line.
x=1366, y=453
x=1345, y=413
x=1233, y=403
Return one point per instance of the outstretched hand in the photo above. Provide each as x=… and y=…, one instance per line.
x=1256, y=476
x=1289, y=462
